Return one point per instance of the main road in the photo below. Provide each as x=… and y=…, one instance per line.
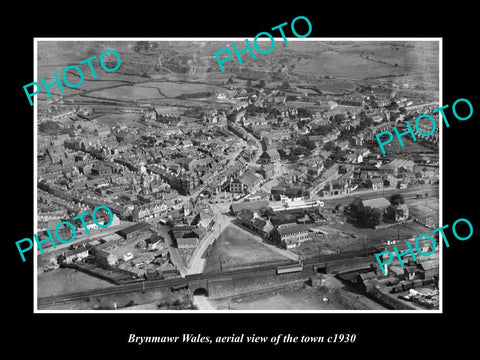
x=197, y=263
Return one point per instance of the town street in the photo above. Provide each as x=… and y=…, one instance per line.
x=197, y=263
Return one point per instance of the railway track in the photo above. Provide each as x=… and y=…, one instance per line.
x=248, y=273
x=157, y=284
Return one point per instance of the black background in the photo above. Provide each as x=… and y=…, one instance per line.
x=377, y=334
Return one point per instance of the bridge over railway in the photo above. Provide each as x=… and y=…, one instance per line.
x=212, y=284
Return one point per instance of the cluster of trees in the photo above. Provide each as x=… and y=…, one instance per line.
x=323, y=130
x=304, y=142
x=365, y=122
x=52, y=128
x=330, y=146
x=268, y=112
x=297, y=151
x=252, y=109
x=232, y=116
x=347, y=135
x=304, y=113
x=337, y=119
x=397, y=199
x=370, y=217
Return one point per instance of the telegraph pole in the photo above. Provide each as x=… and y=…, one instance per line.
x=220, y=260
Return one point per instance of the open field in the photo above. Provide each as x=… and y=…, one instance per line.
x=63, y=281
x=86, y=85
x=300, y=299
x=238, y=248
x=364, y=59
x=206, y=104
x=394, y=149
x=153, y=90
x=339, y=235
x=336, y=86
x=335, y=237
x=375, y=237
x=345, y=63
x=118, y=119
x=160, y=299
x=46, y=71
x=332, y=295
x=127, y=93
x=172, y=89
x=337, y=64
x=352, y=60
x=55, y=91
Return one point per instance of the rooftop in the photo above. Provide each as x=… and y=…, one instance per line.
x=133, y=228
x=376, y=203
x=287, y=230
x=429, y=265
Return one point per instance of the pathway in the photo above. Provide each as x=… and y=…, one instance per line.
x=202, y=303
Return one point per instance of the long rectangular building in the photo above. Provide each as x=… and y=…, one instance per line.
x=133, y=230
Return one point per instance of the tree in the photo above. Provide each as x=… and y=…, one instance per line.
x=249, y=83
x=369, y=217
x=397, y=199
x=393, y=105
x=367, y=121
x=304, y=112
x=230, y=80
x=262, y=84
x=266, y=211
x=330, y=146
x=338, y=118
x=306, y=144
x=251, y=109
x=346, y=134
x=232, y=116
x=322, y=130
x=285, y=85
x=390, y=213
x=52, y=128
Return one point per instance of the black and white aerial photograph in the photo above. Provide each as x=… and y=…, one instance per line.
x=210, y=180
x=260, y=188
